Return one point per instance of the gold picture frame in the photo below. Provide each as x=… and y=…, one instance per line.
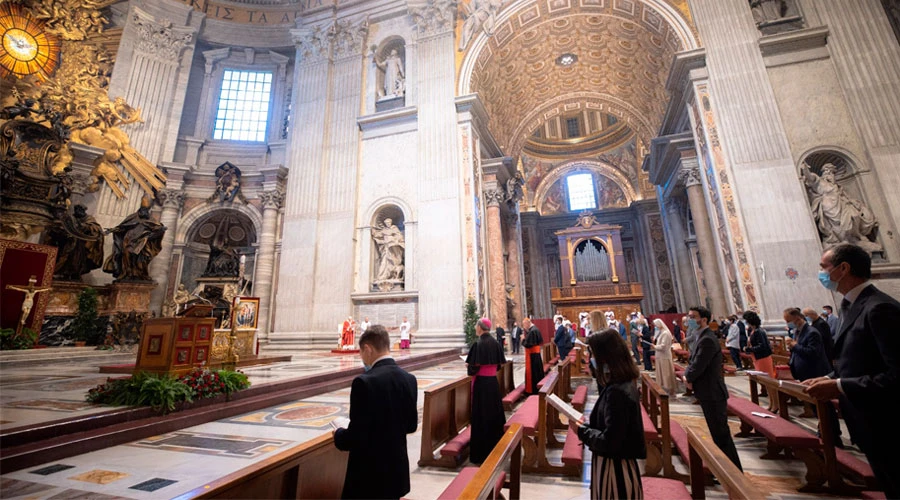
x=246, y=313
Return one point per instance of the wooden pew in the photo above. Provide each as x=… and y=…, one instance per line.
x=564, y=386
x=483, y=484
x=285, y=475
x=447, y=410
x=505, y=378
x=704, y=452
x=656, y=402
x=835, y=460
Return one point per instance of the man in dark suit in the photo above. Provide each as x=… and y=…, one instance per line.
x=382, y=412
x=516, y=336
x=808, y=359
x=866, y=377
x=820, y=324
x=501, y=337
x=704, y=376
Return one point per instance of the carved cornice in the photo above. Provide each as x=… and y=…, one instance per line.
x=171, y=198
x=313, y=44
x=433, y=17
x=348, y=39
x=689, y=175
x=272, y=199
x=494, y=197
x=161, y=40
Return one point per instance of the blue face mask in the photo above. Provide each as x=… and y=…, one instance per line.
x=808, y=320
x=692, y=324
x=366, y=367
x=826, y=281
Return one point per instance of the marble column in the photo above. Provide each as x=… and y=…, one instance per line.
x=514, y=263
x=172, y=201
x=272, y=202
x=439, y=177
x=493, y=196
x=705, y=240
x=677, y=235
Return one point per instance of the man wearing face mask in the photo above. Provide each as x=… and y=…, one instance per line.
x=819, y=323
x=833, y=321
x=808, y=359
x=866, y=377
x=382, y=412
x=704, y=376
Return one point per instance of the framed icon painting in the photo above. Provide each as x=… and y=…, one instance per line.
x=246, y=313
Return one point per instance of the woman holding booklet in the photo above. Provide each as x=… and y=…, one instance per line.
x=614, y=433
x=665, y=366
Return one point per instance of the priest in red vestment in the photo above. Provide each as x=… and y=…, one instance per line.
x=347, y=332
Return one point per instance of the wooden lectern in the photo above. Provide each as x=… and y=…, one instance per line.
x=174, y=346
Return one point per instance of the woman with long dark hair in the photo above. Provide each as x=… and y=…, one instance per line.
x=614, y=433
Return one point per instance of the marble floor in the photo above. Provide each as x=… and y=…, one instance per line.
x=170, y=464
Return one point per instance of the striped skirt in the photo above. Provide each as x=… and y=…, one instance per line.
x=615, y=478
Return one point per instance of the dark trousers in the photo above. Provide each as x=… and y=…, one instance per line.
x=884, y=465
x=634, y=349
x=716, y=414
x=736, y=356
x=648, y=362
x=515, y=345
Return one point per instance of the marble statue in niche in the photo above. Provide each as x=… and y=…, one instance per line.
x=478, y=14
x=774, y=16
x=390, y=246
x=393, y=74
x=839, y=217
x=80, y=241
x=136, y=241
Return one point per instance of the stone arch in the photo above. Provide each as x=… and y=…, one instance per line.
x=593, y=166
x=195, y=214
x=372, y=210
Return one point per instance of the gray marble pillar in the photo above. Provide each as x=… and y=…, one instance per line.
x=705, y=240
x=272, y=201
x=172, y=201
x=677, y=236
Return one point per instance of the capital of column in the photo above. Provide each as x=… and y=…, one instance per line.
x=433, y=16
x=272, y=199
x=348, y=39
x=493, y=197
x=171, y=198
x=689, y=174
x=160, y=39
x=313, y=43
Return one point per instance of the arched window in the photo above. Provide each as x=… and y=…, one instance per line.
x=581, y=191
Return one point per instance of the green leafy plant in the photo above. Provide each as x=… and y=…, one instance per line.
x=470, y=317
x=84, y=325
x=233, y=381
x=162, y=393
x=10, y=341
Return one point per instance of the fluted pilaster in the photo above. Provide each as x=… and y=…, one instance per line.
x=272, y=202
x=493, y=196
x=172, y=201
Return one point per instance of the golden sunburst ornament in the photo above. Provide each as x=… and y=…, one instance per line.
x=26, y=48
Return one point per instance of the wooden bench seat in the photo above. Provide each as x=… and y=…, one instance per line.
x=456, y=487
x=458, y=445
x=510, y=400
x=579, y=398
x=680, y=442
x=873, y=495
x=858, y=470
x=488, y=479
x=706, y=456
x=573, y=450
x=527, y=416
x=660, y=488
x=784, y=439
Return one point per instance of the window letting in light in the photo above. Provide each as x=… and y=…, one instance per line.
x=581, y=192
x=243, y=111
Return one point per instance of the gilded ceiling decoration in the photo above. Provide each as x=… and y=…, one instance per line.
x=76, y=98
x=624, y=51
x=26, y=47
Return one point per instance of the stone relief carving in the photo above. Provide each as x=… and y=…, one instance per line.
x=433, y=16
x=272, y=199
x=390, y=245
x=839, y=217
x=514, y=191
x=348, y=38
x=690, y=176
x=773, y=16
x=312, y=43
x=493, y=197
x=170, y=198
x=478, y=14
x=228, y=184
x=161, y=40
x=394, y=75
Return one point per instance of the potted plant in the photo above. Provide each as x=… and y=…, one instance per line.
x=86, y=317
x=470, y=317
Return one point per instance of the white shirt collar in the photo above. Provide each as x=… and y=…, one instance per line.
x=855, y=291
x=386, y=356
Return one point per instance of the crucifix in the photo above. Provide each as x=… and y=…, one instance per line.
x=30, y=291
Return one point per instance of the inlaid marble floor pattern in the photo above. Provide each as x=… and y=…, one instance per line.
x=168, y=465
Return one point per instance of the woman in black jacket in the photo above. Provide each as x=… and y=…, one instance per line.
x=615, y=433
x=758, y=346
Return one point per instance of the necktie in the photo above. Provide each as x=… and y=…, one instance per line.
x=845, y=308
